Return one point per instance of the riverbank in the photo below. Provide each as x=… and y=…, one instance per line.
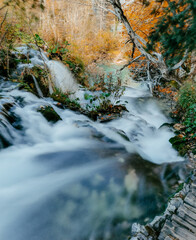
x=179, y=219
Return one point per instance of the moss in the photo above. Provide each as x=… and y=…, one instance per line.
x=41, y=74
x=49, y=113
x=180, y=144
x=65, y=100
x=27, y=82
x=179, y=188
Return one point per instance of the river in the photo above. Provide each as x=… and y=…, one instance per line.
x=80, y=179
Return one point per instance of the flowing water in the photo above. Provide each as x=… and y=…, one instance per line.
x=79, y=179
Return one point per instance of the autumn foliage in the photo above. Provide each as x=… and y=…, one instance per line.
x=142, y=18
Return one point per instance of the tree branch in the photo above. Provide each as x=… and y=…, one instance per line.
x=176, y=66
x=129, y=63
x=105, y=9
x=3, y=19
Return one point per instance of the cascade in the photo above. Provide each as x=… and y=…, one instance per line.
x=79, y=179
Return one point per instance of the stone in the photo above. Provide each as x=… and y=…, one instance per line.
x=49, y=113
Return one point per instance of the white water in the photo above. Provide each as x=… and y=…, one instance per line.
x=61, y=76
x=74, y=179
x=40, y=94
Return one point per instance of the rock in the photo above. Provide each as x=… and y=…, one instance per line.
x=49, y=113
x=168, y=238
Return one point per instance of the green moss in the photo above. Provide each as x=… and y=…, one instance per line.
x=66, y=101
x=187, y=95
x=180, y=144
x=49, y=113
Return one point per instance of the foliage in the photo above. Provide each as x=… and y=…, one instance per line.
x=65, y=100
x=175, y=31
x=186, y=115
x=190, y=121
x=187, y=95
x=96, y=47
x=102, y=103
x=56, y=49
x=142, y=15
x=27, y=82
x=88, y=33
x=19, y=3
x=105, y=97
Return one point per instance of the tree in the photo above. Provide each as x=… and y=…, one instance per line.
x=175, y=31
x=154, y=55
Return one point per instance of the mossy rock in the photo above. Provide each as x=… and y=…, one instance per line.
x=180, y=144
x=65, y=102
x=49, y=113
x=41, y=74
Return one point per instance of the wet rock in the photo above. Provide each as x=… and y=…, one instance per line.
x=109, y=117
x=49, y=113
x=4, y=143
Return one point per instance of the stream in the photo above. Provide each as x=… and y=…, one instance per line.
x=80, y=179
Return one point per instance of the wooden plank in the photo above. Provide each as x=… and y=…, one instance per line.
x=184, y=210
x=193, y=190
x=182, y=232
x=190, y=199
x=192, y=209
x=168, y=231
x=184, y=224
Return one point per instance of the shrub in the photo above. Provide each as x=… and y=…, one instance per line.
x=187, y=95
x=190, y=121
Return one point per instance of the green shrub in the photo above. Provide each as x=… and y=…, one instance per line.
x=65, y=99
x=190, y=120
x=187, y=95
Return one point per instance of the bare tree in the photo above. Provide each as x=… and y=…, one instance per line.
x=115, y=7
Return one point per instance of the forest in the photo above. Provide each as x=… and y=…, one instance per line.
x=97, y=119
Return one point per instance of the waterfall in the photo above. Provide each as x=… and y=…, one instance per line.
x=40, y=94
x=61, y=76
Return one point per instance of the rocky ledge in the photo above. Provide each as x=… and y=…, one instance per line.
x=178, y=221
